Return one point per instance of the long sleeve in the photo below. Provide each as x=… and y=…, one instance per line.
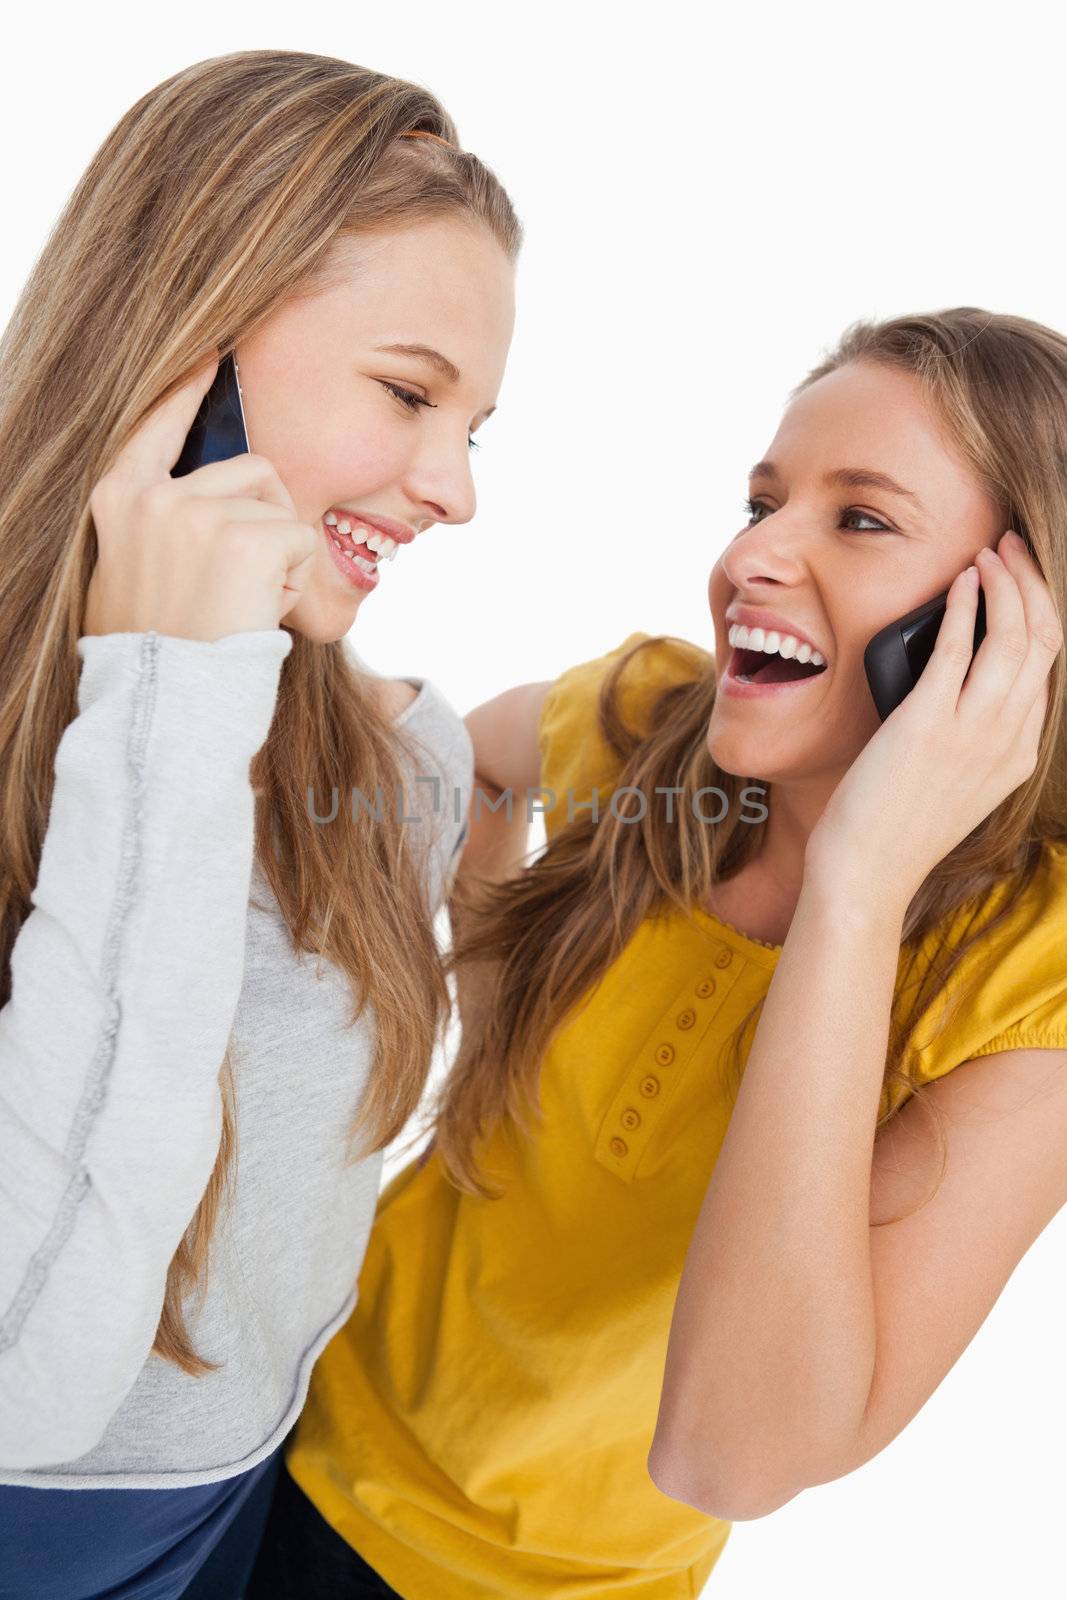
x=125, y=982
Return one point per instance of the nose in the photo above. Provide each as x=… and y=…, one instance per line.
x=770, y=551
x=440, y=479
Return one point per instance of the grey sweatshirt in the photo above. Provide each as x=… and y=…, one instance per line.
x=153, y=937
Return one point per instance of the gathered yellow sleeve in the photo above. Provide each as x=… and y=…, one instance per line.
x=1013, y=984
x=575, y=758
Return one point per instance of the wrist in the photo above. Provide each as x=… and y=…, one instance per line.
x=851, y=893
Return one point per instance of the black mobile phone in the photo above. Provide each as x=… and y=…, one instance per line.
x=897, y=655
x=218, y=431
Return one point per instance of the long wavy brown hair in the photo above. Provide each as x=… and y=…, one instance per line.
x=530, y=949
x=215, y=198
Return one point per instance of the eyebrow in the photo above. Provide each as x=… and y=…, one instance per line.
x=846, y=478
x=424, y=352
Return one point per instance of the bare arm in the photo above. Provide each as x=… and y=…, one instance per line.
x=803, y=1339
x=507, y=761
x=802, y=1343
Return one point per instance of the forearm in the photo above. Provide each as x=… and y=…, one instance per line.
x=495, y=849
x=125, y=978
x=772, y=1346
x=497, y=839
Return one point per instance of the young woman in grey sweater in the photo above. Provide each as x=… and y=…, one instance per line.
x=217, y=1006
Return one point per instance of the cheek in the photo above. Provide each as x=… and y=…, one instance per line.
x=347, y=461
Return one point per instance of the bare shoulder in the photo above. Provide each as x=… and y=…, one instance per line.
x=504, y=732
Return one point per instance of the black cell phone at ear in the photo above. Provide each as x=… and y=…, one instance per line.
x=218, y=431
x=897, y=654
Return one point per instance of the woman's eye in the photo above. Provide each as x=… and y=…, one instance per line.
x=412, y=401
x=851, y=514
x=405, y=396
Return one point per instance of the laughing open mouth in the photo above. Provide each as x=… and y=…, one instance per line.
x=757, y=666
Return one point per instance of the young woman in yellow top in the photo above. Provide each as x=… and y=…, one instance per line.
x=739, y=1244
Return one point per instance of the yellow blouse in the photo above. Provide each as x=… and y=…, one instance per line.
x=480, y=1427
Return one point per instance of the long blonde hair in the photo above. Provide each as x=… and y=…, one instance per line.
x=214, y=198
x=532, y=947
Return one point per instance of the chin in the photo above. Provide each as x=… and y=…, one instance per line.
x=737, y=755
x=320, y=632
x=321, y=635
x=320, y=621
x=727, y=750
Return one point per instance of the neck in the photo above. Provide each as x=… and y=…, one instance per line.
x=763, y=896
x=793, y=811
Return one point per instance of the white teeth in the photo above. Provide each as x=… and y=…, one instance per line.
x=772, y=643
x=364, y=537
x=381, y=544
x=360, y=561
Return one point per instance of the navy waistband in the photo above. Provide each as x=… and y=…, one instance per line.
x=125, y=1544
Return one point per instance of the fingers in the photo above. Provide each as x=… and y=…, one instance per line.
x=156, y=443
x=1023, y=635
x=954, y=646
x=250, y=508
x=245, y=474
x=301, y=543
x=1043, y=620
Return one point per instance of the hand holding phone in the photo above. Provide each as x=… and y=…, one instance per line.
x=896, y=656
x=219, y=430
x=216, y=551
x=963, y=740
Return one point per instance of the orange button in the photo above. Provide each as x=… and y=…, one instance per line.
x=650, y=1087
x=630, y=1118
x=724, y=958
x=665, y=1054
x=706, y=987
x=619, y=1147
x=686, y=1018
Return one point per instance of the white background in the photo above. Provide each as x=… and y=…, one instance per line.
x=710, y=196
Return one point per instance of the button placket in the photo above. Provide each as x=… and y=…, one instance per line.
x=655, y=1074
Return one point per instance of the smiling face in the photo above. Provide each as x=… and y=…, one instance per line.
x=861, y=511
x=353, y=424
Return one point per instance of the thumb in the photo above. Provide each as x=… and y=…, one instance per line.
x=156, y=443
